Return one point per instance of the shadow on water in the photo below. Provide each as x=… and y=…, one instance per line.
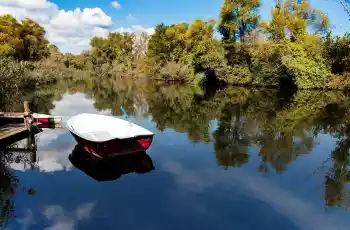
x=110, y=168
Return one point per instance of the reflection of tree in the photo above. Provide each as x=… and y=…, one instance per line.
x=9, y=183
x=175, y=107
x=111, y=94
x=231, y=141
x=40, y=101
x=280, y=149
x=336, y=192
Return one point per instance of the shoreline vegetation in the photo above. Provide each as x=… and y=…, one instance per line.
x=294, y=50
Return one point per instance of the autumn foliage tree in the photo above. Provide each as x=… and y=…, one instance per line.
x=23, y=40
x=291, y=20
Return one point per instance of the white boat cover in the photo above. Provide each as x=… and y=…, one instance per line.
x=101, y=128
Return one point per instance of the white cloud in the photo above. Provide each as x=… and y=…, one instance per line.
x=116, y=4
x=99, y=32
x=136, y=29
x=41, y=11
x=28, y=4
x=81, y=18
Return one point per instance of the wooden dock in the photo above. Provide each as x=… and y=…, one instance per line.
x=9, y=133
x=12, y=132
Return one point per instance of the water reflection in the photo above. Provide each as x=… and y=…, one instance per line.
x=10, y=183
x=266, y=141
x=110, y=168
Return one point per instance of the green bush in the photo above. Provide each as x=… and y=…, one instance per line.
x=266, y=65
x=13, y=75
x=304, y=71
x=239, y=75
x=173, y=71
x=339, y=82
x=337, y=51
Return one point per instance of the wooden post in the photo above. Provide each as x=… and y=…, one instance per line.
x=31, y=145
x=28, y=119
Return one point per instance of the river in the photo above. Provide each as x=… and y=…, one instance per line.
x=237, y=158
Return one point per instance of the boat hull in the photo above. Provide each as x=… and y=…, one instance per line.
x=115, y=147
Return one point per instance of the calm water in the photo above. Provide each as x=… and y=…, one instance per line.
x=235, y=159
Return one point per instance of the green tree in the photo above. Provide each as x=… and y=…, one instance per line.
x=192, y=46
x=23, y=40
x=237, y=19
x=291, y=20
x=116, y=47
x=337, y=51
x=35, y=45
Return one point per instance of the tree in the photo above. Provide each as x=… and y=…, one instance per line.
x=23, y=40
x=337, y=51
x=35, y=45
x=291, y=20
x=237, y=19
x=116, y=47
x=10, y=40
x=190, y=47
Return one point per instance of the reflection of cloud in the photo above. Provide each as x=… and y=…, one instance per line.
x=301, y=212
x=83, y=211
x=71, y=105
x=60, y=220
x=27, y=220
x=51, y=156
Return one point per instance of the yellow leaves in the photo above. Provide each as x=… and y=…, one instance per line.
x=296, y=18
x=26, y=38
x=6, y=50
x=255, y=2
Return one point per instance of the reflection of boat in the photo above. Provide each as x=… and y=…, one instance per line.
x=110, y=168
x=105, y=136
x=37, y=118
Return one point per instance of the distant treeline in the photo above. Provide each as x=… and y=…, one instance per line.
x=295, y=49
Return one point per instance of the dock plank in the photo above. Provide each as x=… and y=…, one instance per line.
x=11, y=114
x=9, y=130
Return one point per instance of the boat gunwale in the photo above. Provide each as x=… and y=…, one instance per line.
x=110, y=140
x=71, y=129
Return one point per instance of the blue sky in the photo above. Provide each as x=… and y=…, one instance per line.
x=148, y=13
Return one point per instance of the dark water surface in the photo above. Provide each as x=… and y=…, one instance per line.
x=235, y=159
